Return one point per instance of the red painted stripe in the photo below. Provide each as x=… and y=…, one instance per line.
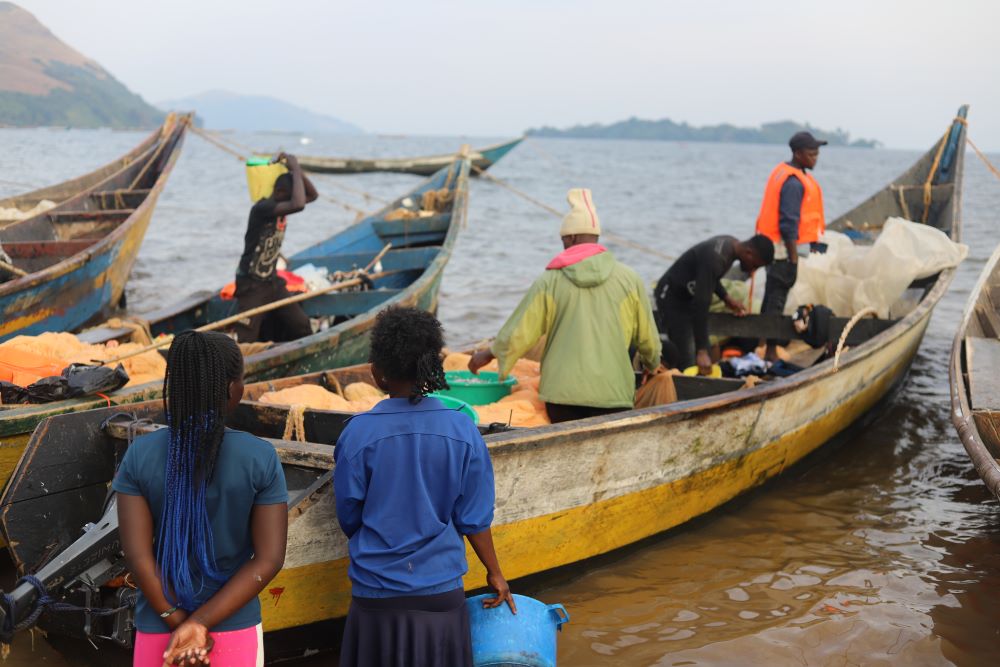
x=593, y=218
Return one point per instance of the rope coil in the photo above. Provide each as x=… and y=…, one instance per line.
x=42, y=603
x=864, y=312
x=614, y=238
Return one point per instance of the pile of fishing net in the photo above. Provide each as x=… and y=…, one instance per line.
x=522, y=407
x=15, y=213
x=357, y=397
x=63, y=349
x=431, y=202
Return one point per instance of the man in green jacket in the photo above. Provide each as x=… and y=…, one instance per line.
x=592, y=309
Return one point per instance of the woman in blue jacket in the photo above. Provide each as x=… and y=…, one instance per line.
x=412, y=478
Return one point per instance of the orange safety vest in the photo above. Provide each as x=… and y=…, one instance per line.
x=811, y=221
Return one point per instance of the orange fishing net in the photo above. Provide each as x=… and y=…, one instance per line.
x=63, y=349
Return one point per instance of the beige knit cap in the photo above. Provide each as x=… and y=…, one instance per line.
x=582, y=216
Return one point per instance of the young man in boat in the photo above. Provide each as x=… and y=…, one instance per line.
x=257, y=281
x=684, y=293
x=791, y=215
x=591, y=308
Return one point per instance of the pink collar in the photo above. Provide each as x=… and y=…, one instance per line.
x=575, y=254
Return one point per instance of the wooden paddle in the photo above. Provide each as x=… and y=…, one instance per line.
x=13, y=269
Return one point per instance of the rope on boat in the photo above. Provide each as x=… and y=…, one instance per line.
x=864, y=312
x=164, y=136
x=982, y=156
x=614, y=238
x=551, y=160
x=295, y=427
x=242, y=158
x=930, y=175
x=368, y=196
x=43, y=602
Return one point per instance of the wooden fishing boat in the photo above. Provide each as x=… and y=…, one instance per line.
x=974, y=373
x=412, y=270
x=482, y=159
x=565, y=492
x=76, y=257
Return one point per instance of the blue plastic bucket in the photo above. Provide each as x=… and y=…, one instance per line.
x=525, y=639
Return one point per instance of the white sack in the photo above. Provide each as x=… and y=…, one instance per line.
x=849, y=278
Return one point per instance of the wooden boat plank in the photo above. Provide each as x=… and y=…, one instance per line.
x=395, y=259
x=781, y=328
x=983, y=359
x=481, y=159
x=307, y=454
x=988, y=427
x=348, y=304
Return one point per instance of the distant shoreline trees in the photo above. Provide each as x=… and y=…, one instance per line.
x=667, y=130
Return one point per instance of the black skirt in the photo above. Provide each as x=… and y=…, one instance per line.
x=415, y=631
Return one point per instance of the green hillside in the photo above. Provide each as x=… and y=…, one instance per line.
x=45, y=82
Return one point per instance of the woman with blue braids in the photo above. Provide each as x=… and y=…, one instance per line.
x=202, y=514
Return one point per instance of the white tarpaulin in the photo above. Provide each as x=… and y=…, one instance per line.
x=848, y=278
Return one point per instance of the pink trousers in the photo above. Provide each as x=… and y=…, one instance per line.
x=238, y=648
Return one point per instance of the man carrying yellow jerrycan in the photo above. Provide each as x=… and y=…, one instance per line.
x=592, y=309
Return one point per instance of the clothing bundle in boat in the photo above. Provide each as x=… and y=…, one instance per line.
x=76, y=381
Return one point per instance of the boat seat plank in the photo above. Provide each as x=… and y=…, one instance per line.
x=64, y=217
x=33, y=249
x=691, y=387
x=308, y=454
x=394, y=260
x=110, y=199
x=989, y=320
x=780, y=327
x=435, y=224
x=347, y=304
x=983, y=359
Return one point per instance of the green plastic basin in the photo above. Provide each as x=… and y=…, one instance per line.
x=487, y=387
x=457, y=404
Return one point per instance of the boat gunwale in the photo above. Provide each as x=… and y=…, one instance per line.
x=81, y=258
x=341, y=164
x=962, y=416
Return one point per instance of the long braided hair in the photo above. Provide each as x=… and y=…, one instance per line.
x=200, y=367
x=406, y=345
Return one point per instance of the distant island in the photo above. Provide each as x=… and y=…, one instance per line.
x=667, y=130
x=43, y=81
x=223, y=110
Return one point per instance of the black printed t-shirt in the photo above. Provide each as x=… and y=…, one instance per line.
x=262, y=243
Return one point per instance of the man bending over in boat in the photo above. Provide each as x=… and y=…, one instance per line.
x=684, y=293
x=257, y=281
x=592, y=308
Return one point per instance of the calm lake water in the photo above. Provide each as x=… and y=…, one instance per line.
x=881, y=550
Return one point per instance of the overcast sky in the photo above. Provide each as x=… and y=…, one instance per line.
x=893, y=70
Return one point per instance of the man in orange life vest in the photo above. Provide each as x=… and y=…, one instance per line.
x=791, y=215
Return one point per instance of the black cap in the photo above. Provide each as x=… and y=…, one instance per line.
x=801, y=140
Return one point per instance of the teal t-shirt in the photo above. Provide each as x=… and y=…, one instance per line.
x=247, y=473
